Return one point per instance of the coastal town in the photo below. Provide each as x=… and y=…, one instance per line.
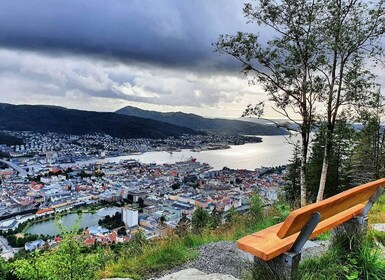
x=55, y=175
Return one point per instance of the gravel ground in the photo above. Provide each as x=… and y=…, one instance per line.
x=225, y=258
x=219, y=257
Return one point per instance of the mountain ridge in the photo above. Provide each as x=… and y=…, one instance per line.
x=197, y=122
x=46, y=118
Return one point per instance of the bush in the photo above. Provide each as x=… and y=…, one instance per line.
x=200, y=220
x=256, y=206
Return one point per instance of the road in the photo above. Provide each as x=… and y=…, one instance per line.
x=21, y=171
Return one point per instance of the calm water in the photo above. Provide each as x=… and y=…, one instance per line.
x=273, y=151
x=85, y=220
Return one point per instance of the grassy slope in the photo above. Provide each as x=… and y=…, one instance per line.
x=338, y=263
x=175, y=251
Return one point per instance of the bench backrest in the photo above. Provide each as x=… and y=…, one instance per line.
x=329, y=207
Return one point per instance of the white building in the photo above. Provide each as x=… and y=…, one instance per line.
x=130, y=217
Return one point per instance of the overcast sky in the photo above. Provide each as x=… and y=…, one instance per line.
x=103, y=55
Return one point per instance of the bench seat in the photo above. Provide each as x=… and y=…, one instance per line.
x=266, y=244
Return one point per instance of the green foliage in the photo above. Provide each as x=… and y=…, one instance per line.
x=111, y=222
x=159, y=255
x=283, y=210
x=200, y=220
x=346, y=261
x=64, y=262
x=175, y=186
x=256, y=206
x=20, y=241
x=5, y=272
x=339, y=170
x=215, y=219
x=292, y=186
x=168, y=256
x=368, y=159
x=183, y=227
x=324, y=236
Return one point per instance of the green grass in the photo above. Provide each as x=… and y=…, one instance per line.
x=324, y=236
x=378, y=236
x=377, y=213
x=365, y=262
x=172, y=252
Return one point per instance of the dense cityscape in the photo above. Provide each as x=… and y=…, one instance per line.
x=53, y=175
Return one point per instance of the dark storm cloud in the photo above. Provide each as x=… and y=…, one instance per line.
x=166, y=32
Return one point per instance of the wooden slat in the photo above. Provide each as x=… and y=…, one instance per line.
x=266, y=245
x=328, y=207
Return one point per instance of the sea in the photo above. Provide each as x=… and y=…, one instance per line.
x=272, y=151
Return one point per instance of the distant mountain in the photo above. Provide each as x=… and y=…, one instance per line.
x=41, y=118
x=200, y=123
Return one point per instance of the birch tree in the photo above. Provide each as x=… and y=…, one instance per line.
x=351, y=34
x=285, y=66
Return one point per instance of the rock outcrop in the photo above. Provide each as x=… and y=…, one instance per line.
x=195, y=274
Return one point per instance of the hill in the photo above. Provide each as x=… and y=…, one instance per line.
x=42, y=118
x=196, y=122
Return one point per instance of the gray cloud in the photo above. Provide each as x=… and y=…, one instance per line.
x=165, y=32
x=86, y=83
x=102, y=55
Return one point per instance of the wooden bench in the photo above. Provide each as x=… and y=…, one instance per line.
x=279, y=247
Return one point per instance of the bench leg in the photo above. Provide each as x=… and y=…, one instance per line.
x=355, y=229
x=283, y=267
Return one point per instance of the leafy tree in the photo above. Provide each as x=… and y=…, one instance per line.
x=231, y=215
x=368, y=159
x=318, y=58
x=65, y=262
x=139, y=238
x=68, y=262
x=286, y=66
x=292, y=187
x=256, y=206
x=351, y=32
x=140, y=202
x=32, y=268
x=162, y=219
x=200, y=220
x=340, y=159
x=183, y=227
x=175, y=186
x=215, y=219
x=111, y=222
x=5, y=272
x=122, y=231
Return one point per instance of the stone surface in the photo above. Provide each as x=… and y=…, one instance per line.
x=195, y=274
x=117, y=279
x=379, y=227
x=314, y=248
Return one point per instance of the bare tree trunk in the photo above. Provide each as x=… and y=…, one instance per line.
x=303, y=179
x=324, y=171
x=304, y=148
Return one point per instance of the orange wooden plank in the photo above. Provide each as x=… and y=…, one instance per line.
x=328, y=207
x=266, y=245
